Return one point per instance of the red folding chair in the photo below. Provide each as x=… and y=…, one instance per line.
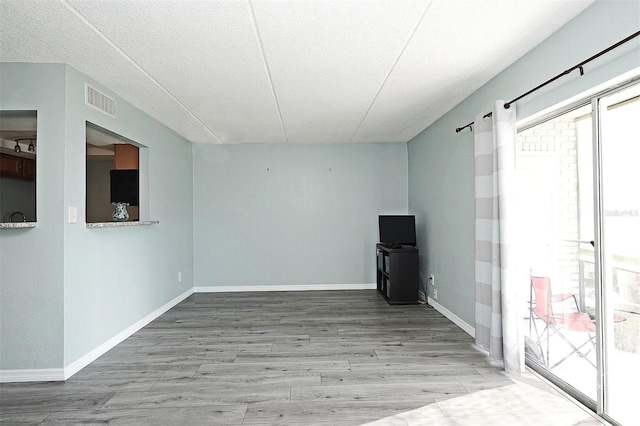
x=556, y=323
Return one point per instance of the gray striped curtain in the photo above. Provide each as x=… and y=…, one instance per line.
x=497, y=294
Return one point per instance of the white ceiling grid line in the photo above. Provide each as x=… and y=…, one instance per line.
x=48, y=32
x=386, y=77
x=458, y=48
x=328, y=58
x=208, y=56
x=137, y=66
x=278, y=71
x=254, y=22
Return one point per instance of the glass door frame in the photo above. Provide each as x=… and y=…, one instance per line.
x=598, y=238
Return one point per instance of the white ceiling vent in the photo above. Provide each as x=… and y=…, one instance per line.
x=98, y=100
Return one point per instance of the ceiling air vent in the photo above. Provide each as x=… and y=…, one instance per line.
x=98, y=100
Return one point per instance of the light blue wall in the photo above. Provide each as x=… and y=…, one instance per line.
x=67, y=289
x=32, y=260
x=293, y=214
x=116, y=276
x=441, y=167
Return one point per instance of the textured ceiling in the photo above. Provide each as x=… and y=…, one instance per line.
x=312, y=71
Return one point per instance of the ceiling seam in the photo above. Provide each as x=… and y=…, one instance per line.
x=393, y=66
x=138, y=67
x=254, y=22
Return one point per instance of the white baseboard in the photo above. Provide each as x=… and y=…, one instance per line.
x=79, y=364
x=304, y=287
x=453, y=318
x=36, y=375
x=60, y=374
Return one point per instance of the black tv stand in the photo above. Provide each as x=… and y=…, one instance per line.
x=397, y=274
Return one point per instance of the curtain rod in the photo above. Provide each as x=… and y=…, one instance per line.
x=562, y=74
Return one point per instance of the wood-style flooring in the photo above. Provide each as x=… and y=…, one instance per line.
x=301, y=358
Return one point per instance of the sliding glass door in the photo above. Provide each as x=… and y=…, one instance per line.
x=580, y=215
x=556, y=202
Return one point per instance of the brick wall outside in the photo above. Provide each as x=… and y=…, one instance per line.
x=558, y=139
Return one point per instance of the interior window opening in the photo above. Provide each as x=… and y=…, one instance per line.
x=18, y=152
x=113, y=176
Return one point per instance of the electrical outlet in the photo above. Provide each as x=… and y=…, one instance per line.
x=432, y=279
x=435, y=293
x=179, y=277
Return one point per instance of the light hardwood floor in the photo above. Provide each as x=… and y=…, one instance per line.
x=326, y=357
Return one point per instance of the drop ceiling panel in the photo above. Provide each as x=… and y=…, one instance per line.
x=328, y=59
x=458, y=47
x=49, y=32
x=205, y=53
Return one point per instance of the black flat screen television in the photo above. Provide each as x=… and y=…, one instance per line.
x=397, y=230
x=124, y=186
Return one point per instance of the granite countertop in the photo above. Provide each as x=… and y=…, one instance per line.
x=19, y=225
x=14, y=225
x=118, y=224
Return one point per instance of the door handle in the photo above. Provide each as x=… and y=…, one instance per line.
x=593, y=244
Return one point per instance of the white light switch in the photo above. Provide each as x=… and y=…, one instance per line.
x=73, y=215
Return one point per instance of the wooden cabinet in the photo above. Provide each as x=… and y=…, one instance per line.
x=29, y=168
x=126, y=157
x=16, y=167
x=10, y=166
